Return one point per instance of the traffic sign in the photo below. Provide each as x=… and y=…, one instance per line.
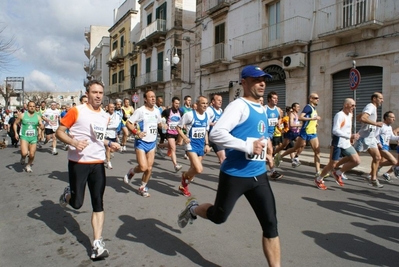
x=354, y=78
x=135, y=98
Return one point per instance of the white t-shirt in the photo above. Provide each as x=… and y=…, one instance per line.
x=367, y=130
x=53, y=115
x=147, y=121
x=342, y=128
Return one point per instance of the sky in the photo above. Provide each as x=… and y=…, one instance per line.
x=49, y=37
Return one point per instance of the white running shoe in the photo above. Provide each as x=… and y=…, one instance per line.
x=124, y=148
x=63, y=200
x=128, y=177
x=178, y=167
x=109, y=165
x=28, y=168
x=98, y=250
x=185, y=216
x=55, y=152
x=343, y=176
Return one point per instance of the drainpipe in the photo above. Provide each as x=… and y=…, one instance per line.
x=308, y=49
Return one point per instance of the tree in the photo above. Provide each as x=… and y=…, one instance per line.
x=7, y=48
x=37, y=96
x=7, y=92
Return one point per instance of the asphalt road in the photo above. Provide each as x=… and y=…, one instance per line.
x=356, y=225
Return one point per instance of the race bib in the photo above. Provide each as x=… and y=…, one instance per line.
x=273, y=121
x=198, y=133
x=173, y=125
x=152, y=130
x=372, y=128
x=30, y=133
x=99, y=131
x=261, y=156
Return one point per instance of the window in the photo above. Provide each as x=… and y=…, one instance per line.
x=121, y=76
x=122, y=41
x=274, y=21
x=354, y=12
x=160, y=67
x=114, y=78
x=219, y=41
x=148, y=65
x=133, y=75
x=161, y=12
x=149, y=19
x=114, y=45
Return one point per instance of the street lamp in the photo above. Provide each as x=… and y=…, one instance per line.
x=175, y=58
x=175, y=61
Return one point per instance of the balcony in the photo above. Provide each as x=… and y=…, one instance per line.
x=116, y=57
x=95, y=69
x=151, y=78
x=87, y=34
x=86, y=66
x=217, y=8
x=214, y=56
x=87, y=51
x=153, y=33
x=350, y=17
x=115, y=88
x=285, y=34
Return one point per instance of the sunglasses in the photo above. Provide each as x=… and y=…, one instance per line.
x=315, y=98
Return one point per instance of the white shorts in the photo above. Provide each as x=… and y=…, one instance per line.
x=364, y=144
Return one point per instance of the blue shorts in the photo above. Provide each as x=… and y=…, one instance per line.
x=338, y=152
x=291, y=135
x=385, y=148
x=199, y=152
x=145, y=146
x=307, y=137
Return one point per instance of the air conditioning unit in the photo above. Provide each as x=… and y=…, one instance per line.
x=294, y=61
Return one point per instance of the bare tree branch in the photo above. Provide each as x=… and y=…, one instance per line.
x=7, y=48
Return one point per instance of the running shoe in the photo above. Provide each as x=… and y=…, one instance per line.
x=387, y=177
x=376, y=183
x=55, y=152
x=338, y=178
x=124, y=148
x=277, y=160
x=28, y=168
x=63, y=200
x=66, y=147
x=185, y=156
x=344, y=177
x=129, y=175
x=39, y=145
x=317, y=174
x=320, y=184
x=22, y=161
x=98, y=250
x=296, y=163
x=276, y=175
x=184, y=190
x=178, y=167
x=143, y=191
x=185, y=215
x=396, y=171
x=109, y=165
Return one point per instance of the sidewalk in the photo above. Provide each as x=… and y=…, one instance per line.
x=307, y=157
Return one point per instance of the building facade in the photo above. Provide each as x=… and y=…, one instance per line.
x=308, y=46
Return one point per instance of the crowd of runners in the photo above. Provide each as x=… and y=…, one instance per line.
x=251, y=136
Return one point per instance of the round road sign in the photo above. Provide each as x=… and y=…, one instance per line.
x=354, y=78
x=135, y=98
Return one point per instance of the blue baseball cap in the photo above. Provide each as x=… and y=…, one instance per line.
x=254, y=71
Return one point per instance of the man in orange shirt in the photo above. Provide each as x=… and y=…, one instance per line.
x=87, y=125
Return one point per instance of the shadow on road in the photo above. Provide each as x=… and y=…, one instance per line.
x=60, y=221
x=149, y=232
x=354, y=248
